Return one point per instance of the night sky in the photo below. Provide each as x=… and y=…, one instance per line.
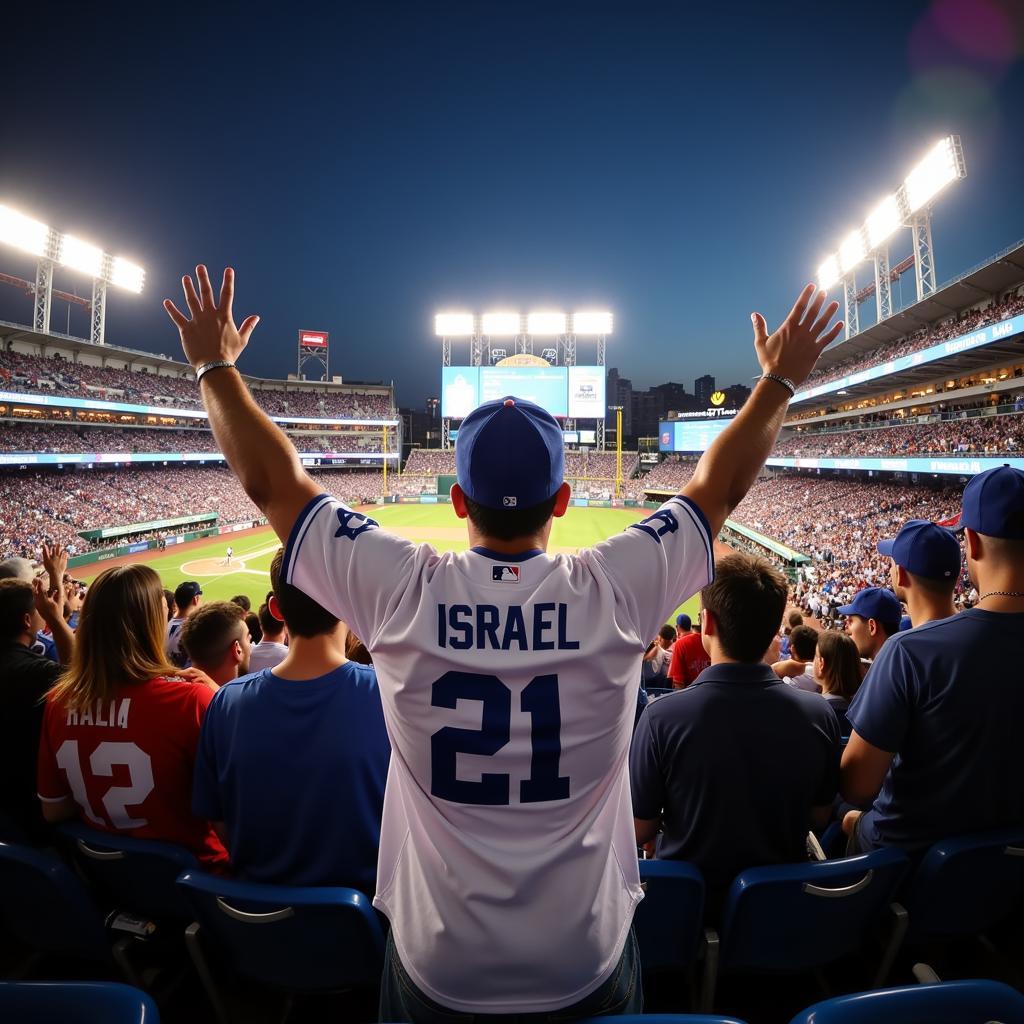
x=364, y=166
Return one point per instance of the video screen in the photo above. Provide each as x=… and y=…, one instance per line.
x=460, y=391
x=543, y=385
x=689, y=435
x=586, y=392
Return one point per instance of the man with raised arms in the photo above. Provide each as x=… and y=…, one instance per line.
x=507, y=860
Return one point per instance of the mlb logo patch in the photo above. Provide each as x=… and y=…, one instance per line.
x=505, y=573
x=509, y=501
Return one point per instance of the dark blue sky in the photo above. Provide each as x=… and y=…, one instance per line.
x=363, y=166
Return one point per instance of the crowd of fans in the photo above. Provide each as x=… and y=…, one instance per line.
x=921, y=339
x=54, y=375
x=52, y=507
x=38, y=438
x=988, y=435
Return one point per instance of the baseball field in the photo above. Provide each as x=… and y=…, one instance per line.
x=248, y=572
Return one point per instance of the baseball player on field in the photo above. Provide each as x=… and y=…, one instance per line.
x=507, y=861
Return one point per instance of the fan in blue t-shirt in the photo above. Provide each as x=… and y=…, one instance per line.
x=935, y=748
x=293, y=761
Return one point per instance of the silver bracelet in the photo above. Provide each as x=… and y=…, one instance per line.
x=784, y=381
x=204, y=368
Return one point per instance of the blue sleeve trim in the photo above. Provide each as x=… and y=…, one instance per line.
x=298, y=533
x=705, y=527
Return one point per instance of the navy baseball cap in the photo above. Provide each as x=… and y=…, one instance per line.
x=509, y=454
x=876, y=603
x=924, y=549
x=185, y=592
x=683, y=621
x=993, y=504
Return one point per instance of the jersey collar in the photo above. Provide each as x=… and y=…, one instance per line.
x=521, y=556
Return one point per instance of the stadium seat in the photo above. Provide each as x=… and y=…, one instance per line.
x=47, y=908
x=138, y=875
x=668, y=920
x=75, y=1002
x=966, y=885
x=797, y=917
x=950, y=1002
x=296, y=940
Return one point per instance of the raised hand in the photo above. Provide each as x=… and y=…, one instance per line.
x=50, y=607
x=55, y=562
x=793, y=349
x=211, y=334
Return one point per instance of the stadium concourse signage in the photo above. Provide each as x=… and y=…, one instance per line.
x=153, y=524
x=948, y=466
x=966, y=342
x=98, y=405
x=105, y=555
x=789, y=554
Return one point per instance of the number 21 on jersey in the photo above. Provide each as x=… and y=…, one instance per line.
x=539, y=699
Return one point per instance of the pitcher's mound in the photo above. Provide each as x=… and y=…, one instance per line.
x=211, y=567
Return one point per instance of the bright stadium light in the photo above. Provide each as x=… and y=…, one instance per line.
x=22, y=232
x=883, y=222
x=828, y=273
x=126, y=274
x=500, y=324
x=545, y=323
x=851, y=251
x=932, y=174
x=592, y=321
x=453, y=325
x=79, y=255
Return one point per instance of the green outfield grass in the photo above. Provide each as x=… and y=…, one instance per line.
x=435, y=524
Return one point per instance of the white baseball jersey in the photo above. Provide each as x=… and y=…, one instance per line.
x=507, y=860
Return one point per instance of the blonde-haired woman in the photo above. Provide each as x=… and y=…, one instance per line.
x=837, y=671
x=121, y=724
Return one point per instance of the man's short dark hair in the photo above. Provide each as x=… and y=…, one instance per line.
x=510, y=523
x=667, y=633
x=16, y=601
x=209, y=630
x=803, y=642
x=255, y=627
x=939, y=588
x=270, y=625
x=169, y=599
x=747, y=599
x=302, y=615
x=243, y=602
x=795, y=619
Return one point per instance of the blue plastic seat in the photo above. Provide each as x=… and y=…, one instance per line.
x=950, y=1002
x=792, y=918
x=63, y=1002
x=47, y=908
x=138, y=875
x=668, y=920
x=965, y=885
x=293, y=939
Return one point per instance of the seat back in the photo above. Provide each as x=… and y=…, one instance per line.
x=795, y=917
x=299, y=939
x=965, y=885
x=951, y=1002
x=668, y=920
x=46, y=907
x=135, y=874
x=73, y=1002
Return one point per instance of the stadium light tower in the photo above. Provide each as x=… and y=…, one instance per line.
x=452, y=325
x=52, y=249
x=910, y=206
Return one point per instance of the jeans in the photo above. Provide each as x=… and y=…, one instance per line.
x=401, y=1001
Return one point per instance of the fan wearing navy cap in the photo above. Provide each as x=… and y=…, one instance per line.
x=871, y=618
x=926, y=562
x=507, y=858
x=935, y=748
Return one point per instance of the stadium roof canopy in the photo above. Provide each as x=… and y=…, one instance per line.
x=1003, y=271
